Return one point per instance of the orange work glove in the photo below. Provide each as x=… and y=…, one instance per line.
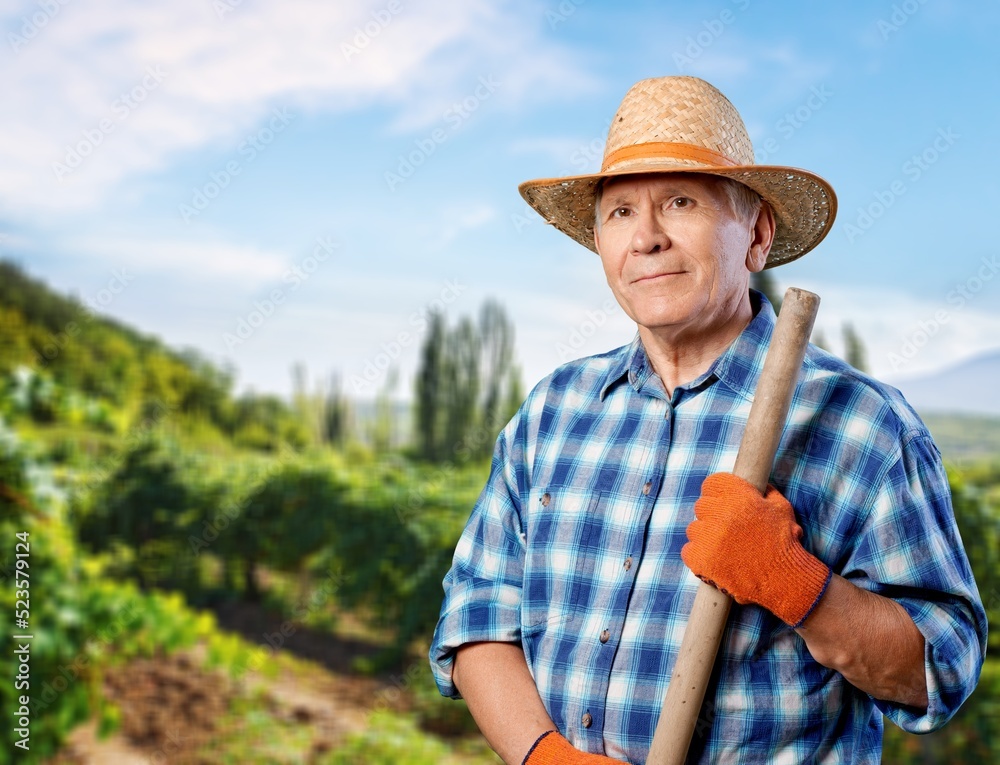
x=748, y=546
x=553, y=749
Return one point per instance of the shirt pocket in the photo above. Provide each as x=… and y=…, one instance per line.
x=562, y=537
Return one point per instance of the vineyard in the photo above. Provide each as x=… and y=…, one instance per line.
x=306, y=538
x=222, y=579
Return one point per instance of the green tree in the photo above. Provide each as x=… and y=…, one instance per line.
x=336, y=415
x=14, y=348
x=462, y=363
x=764, y=281
x=820, y=341
x=465, y=385
x=498, y=351
x=141, y=505
x=430, y=386
x=854, y=349
x=383, y=431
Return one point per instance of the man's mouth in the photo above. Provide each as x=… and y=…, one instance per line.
x=663, y=275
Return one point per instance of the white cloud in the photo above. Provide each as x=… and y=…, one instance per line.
x=904, y=335
x=571, y=155
x=748, y=61
x=215, y=78
x=194, y=260
x=455, y=221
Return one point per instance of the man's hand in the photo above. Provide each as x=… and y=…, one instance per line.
x=553, y=749
x=748, y=546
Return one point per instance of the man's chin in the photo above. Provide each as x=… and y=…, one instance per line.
x=666, y=324
x=669, y=314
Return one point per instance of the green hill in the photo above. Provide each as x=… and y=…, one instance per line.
x=965, y=437
x=63, y=362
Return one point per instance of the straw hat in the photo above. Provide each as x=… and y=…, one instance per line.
x=683, y=124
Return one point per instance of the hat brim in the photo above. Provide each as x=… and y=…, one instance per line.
x=804, y=204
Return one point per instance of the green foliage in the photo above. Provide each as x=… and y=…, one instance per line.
x=289, y=518
x=143, y=505
x=393, y=534
x=336, y=415
x=383, y=530
x=389, y=740
x=429, y=387
x=972, y=736
x=65, y=342
x=82, y=621
x=362, y=530
x=979, y=525
x=250, y=733
x=467, y=383
x=61, y=362
x=265, y=423
x=764, y=281
x=820, y=341
x=392, y=739
x=854, y=348
x=968, y=439
x=433, y=712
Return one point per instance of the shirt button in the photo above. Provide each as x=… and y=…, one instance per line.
x=646, y=487
x=546, y=498
x=587, y=720
x=605, y=636
x=666, y=414
x=628, y=563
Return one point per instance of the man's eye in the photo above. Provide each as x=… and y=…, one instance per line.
x=620, y=212
x=682, y=202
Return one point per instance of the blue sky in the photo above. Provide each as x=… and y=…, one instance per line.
x=328, y=171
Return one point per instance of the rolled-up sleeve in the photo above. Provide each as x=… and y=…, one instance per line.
x=482, y=589
x=910, y=551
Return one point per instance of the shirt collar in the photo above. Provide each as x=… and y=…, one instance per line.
x=738, y=367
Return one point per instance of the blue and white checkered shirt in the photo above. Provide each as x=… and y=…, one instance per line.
x=573, y=551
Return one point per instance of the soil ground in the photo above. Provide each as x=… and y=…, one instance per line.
x=171, y=707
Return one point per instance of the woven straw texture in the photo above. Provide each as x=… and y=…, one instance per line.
x=690, y=111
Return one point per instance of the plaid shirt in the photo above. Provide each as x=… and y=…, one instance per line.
x=573, y=551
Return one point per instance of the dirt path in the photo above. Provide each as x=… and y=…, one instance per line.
x=171, y=707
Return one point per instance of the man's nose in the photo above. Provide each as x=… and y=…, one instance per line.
x=649, y=235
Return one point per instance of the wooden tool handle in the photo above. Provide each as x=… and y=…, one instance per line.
x=707, y=621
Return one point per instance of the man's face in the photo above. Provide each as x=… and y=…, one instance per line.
x=675, y=254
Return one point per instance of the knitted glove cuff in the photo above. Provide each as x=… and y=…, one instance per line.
x=538, y=741
x=811, y=575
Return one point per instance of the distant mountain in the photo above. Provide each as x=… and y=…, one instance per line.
x=971, y=386
x=965, y=437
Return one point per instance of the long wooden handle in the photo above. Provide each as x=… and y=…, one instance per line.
x=707, y=621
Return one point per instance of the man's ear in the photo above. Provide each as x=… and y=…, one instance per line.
x=762, y=237
x=597, y=240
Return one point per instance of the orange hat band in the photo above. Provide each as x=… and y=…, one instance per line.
x=663, y=150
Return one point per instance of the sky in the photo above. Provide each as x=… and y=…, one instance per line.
x=289, y=182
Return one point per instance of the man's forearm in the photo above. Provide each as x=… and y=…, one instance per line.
x=494, y=680
x=870, y=640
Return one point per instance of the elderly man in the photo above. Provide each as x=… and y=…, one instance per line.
x=608, y=496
